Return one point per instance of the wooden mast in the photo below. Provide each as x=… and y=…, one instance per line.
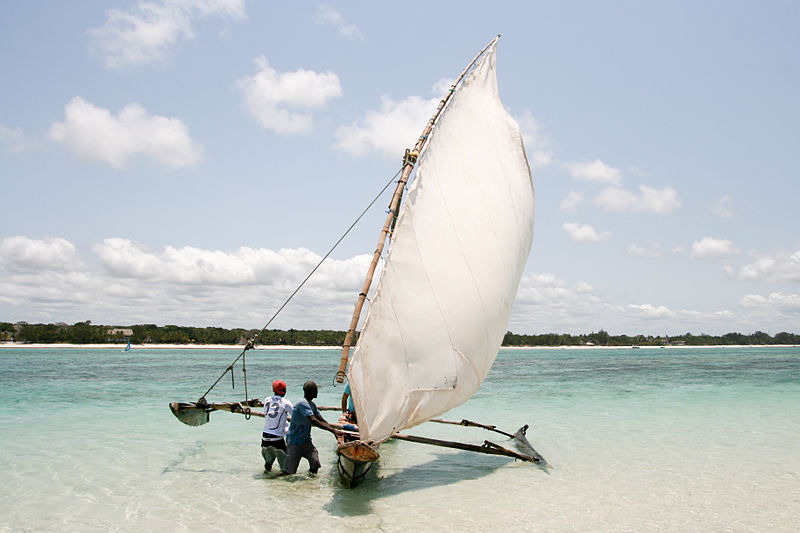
x=408, y=165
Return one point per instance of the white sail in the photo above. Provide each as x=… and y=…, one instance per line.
x=440, y=310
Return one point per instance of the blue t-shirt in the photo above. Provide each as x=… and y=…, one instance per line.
x=300, y=428
x=350, y=406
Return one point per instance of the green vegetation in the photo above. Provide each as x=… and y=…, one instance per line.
x=602, y=338
x=86, y=333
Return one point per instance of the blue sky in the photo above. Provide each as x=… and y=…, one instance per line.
x=188, y=162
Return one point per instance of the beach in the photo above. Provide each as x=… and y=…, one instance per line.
x=148, y=346
x=667, y=439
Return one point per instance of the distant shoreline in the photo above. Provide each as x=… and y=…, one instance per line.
x=148, y=346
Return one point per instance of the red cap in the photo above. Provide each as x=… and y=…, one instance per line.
x=279, y=386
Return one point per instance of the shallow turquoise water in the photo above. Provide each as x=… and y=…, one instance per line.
x=674, y=439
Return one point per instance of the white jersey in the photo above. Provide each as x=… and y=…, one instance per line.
x=277, y=410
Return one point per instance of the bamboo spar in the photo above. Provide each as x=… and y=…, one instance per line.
x=408, y=166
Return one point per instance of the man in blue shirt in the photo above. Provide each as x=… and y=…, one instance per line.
x=348, y=409
x=298, y=440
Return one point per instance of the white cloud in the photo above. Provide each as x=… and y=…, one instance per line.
x=388, y=130
x=327, y=16
x=44, y=281
x=595, y=171
x=724, y=207
x=640, y=251
x=651, y=311
x=571, y=201
x=788, y=303
x=148, y=32
x=281, y=101
x=636, y=171
x=781, y=267
x=94, y=134
x=10, y=135
x=546, y=303
x=15, y=140
x=22, y=253
x=647, y=200
x=189, y=265
x=709, y=248
x=550, y=292
x=545, y=279
x=584, y=232
x=538, y=143
x=754, y=300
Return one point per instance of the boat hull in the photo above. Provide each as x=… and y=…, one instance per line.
x=354, y=461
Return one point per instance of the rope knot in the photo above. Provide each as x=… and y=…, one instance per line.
x=410, y=157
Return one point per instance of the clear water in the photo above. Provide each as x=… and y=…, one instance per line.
x=639, y=440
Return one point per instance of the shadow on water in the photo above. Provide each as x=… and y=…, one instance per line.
x=444, y=469
x=190, y=452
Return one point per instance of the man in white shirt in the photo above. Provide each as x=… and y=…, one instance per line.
x=277, y=410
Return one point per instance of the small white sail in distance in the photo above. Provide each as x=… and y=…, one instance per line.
x=440, y=310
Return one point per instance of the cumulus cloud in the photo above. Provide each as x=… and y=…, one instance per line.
x=781, y=267
x=94, y=134
x=651, y=311
x=571, y=201
x=538, y=143
x=281, y=101
x=547, y=303
x=547, y=290
x=327, y=16
x=709, y=248
x=22, y=253
x=44, y=280
x=584, y=232
x=648, y=200
x=189, y=265
x=594, y=171
x=388, y=130
x=148, y=32
x=789, y=303
x=723, y=208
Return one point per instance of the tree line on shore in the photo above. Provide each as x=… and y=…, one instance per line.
x=87, y=333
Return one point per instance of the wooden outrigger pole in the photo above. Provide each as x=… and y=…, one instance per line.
x=409, y=161
x=487, y=447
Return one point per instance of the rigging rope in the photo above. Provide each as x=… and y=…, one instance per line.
x=252, y=342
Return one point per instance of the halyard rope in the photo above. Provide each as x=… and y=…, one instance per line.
x=252, y=342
